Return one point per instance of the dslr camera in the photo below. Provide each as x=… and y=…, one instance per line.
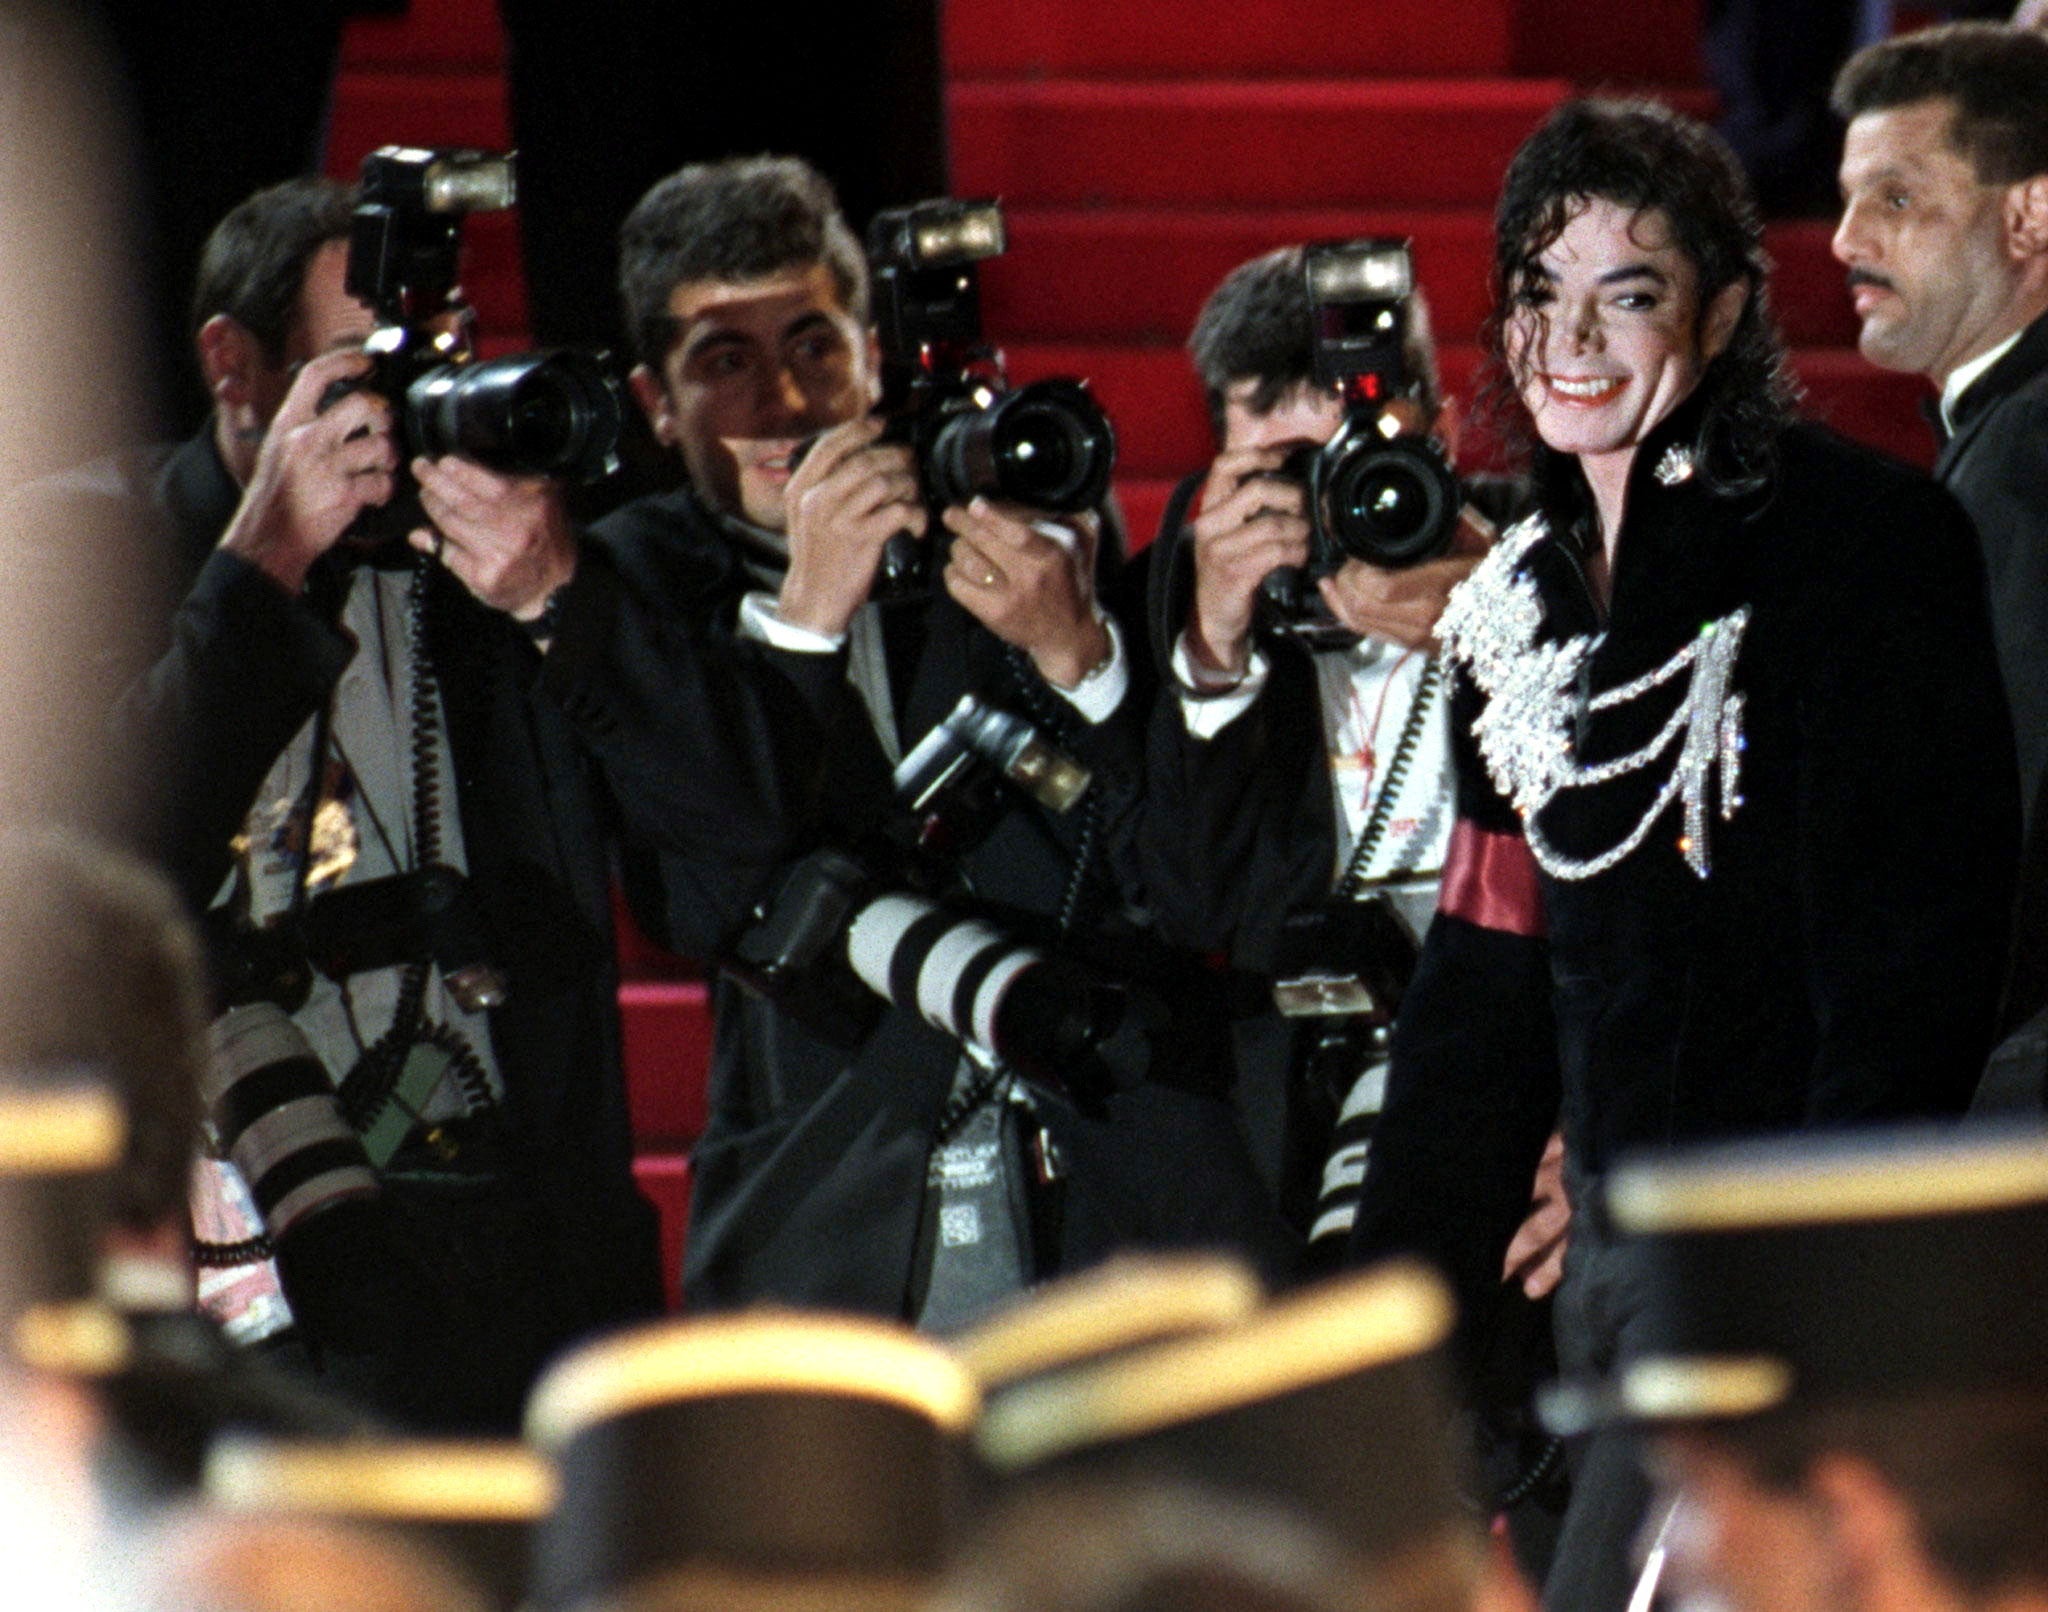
x=849, y=930
x=1382, y=489
x=528, y=414
x=1047, y=445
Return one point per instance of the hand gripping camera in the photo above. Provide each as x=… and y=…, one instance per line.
x=528, y=414
x=1047, y=445
x=1381, y=490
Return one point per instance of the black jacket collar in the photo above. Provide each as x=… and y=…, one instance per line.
x=2027, y=358
x=1679, y=537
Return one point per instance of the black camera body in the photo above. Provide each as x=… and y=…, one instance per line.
x=555, y=413
x=1382, y=489
x=1047, y=445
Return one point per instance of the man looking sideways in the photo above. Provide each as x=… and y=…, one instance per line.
x=1945, y=234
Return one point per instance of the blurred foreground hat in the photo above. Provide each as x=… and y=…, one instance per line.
x=1332, y=1404
x=473, y=1505
x=1819, y=1270
x=59, y=1145
x=753, y=1460
x=1121, y=1304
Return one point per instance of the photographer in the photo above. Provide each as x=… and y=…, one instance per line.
x=1300, y=770
x=895, y=1176
x=1292, y=740
x=328, y=719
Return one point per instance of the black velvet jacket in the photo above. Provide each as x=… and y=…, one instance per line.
x=1841, y=959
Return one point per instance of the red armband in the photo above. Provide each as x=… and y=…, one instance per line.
x=1490, y=880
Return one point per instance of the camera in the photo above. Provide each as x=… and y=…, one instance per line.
x=274, y=1112
x=1047, y=445
x=1345, y=958
x=1381, y=490
x=850, y=930
x=430, y=913
x=552, y=413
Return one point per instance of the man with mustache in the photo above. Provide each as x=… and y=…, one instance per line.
x=1945, y=233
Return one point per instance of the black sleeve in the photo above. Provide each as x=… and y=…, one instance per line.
x=1908, y=809
x=246, y=668
x=1472, y=1088
x=1238, y=830
x=717, y=761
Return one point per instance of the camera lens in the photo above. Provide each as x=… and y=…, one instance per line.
x=279, y=1119
x=1035, y=452
x=536, y=414
x=1047, y=445
x=1389, y=503
x=539, y=420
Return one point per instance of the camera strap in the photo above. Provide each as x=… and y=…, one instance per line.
x=974, y=1238
x=396, y=1076
x=1374, y=830
x=1059, y=720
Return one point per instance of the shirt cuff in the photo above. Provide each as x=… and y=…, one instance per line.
x=1207, y=705
x=759, y=621
x=1102, y=690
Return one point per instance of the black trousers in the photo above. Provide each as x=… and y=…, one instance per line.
x=1597, y=1320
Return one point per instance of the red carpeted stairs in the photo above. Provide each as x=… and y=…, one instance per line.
x=1141, y=151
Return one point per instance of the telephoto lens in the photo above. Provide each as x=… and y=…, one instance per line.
x=1047, y=445
x=349, y=1277
x=537, y=414
x=278, y=1119
x=969, y=980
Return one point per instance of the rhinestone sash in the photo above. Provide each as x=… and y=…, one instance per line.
x=1490, y=628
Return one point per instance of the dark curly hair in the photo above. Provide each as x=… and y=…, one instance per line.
x=1644, y=156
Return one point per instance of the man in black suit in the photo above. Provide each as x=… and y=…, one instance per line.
x=1945, y=233
x=887, y=1171
x=320, y=713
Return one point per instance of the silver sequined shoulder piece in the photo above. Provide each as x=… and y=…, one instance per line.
x=1491, y=628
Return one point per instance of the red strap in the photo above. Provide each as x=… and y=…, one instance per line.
x=1490, y=880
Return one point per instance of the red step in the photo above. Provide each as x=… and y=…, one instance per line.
x=1294, y=143
x=1143, y=501
x=667, y=1030
x=1624, y=42
x=1141, y=274
x=1229, y=38
x=1808, y=291
x=447, y=33
x=1875, y=406
x=426, y=106
x=664, y=1179
x=1163, y=425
